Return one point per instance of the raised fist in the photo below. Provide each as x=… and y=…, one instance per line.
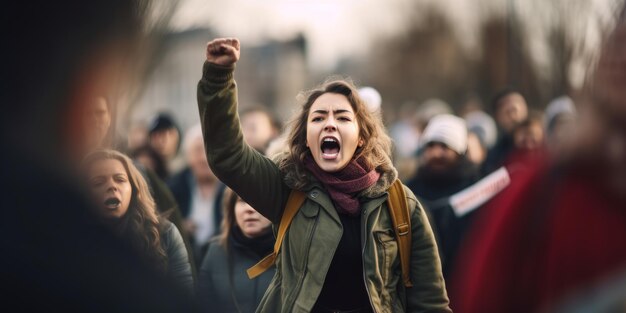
x=223, y=51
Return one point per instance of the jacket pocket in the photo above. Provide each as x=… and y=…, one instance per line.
x=300, y=233
x=387, y=255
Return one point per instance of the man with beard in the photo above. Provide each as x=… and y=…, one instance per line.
x=444, y=170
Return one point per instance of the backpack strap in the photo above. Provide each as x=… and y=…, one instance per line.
x=399, y=210
x=294, y=202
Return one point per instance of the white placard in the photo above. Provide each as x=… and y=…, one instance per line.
x=477, y=194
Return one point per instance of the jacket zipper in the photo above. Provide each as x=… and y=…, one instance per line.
x=363, y=228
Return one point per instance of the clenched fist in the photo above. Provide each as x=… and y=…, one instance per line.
x=223, y=51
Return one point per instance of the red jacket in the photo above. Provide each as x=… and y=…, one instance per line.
x=552, y=232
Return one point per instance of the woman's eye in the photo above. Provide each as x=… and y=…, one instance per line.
x=345, y=119
x=316, y=119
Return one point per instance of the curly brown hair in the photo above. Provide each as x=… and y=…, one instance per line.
x=376, y=148
x=141, y=224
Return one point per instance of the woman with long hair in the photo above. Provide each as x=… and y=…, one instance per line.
x=339, y=253
x=246, y=238
x=125, y=204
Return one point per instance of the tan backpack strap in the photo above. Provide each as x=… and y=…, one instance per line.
x=399, y=210
x=295, y=201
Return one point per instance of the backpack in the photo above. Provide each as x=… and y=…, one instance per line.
x=398, y=208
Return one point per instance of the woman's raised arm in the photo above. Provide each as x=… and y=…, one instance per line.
x=255, y=178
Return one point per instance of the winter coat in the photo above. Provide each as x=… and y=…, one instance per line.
x=555, y=235
x=449, y=228
x=223, y=284
x=310, y=242
x=182, y=185
x=178, y=263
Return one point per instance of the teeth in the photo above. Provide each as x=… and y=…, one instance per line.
x=330, y=140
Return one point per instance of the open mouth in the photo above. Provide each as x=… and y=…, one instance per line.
x=330, y=148
x=112, y=203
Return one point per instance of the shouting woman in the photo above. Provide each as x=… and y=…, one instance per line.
x=339, y=253
x=126, y=205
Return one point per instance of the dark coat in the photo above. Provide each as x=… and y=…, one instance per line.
x=223, y=278
x=167, y=206
x=499, y=153
x=434, y=195
x=182, y=185
x=178, y=260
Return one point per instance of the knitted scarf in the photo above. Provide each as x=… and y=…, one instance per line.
x=344, y=185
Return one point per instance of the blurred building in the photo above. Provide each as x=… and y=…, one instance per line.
x=270, y=74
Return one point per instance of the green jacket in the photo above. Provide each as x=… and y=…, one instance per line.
x=315, y=231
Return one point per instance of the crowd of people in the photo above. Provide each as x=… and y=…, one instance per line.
x=508, y=208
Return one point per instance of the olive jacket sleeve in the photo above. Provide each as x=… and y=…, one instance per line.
x=254, y=177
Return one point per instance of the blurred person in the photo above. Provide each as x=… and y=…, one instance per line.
x=198, y=193
x=405, y=133
x=476, y=149
x=57, y=255
x=471, y=104
x=98, y=133
x=405, y=130
x=150, y=160
x=98, y=129
x=528, y=136
x=137, y=136
x=259, y=127
x=245, y=239
x=510, y=109
x=277, y=147
x=164, y=136
x=429, y=109
x=483, y=126
x=558, y=230
x=152, y=167
x=482, y=134
x=125, y=204
x=372, y=98
x=97, y=124
x=444, y=170
x=560, y=120
x=331, y=259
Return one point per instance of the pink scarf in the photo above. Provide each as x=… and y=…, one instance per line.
x=344, y=185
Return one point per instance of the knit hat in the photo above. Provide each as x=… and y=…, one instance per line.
x=481, y=124
x=160, y=122
x=371, y=97
x=447, y=129
x=560, y=106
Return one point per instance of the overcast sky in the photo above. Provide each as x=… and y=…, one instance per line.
x=342, y=28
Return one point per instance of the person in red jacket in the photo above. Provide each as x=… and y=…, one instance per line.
x=559, y=228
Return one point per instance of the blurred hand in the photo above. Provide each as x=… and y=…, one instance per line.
x=223, y=51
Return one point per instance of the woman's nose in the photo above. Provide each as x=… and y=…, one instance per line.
x=330, y=125
x=111, y=186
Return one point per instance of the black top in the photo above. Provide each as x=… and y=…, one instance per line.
x=344, y=286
